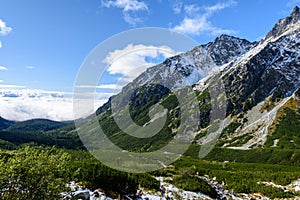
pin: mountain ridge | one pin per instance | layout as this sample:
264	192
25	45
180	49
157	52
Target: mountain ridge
4	123
284	23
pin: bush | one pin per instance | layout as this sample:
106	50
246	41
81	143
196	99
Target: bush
33	173
194	184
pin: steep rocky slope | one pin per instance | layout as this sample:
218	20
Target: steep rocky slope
261	81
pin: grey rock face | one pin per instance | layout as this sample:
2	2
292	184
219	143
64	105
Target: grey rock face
274	69
225	48
283	24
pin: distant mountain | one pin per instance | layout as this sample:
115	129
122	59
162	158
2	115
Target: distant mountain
31	125
39	132
36	125
5	123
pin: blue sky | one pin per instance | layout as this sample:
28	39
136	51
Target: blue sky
44	42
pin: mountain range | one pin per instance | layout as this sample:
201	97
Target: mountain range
261	82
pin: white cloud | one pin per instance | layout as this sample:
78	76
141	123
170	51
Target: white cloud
196	24
132	60
220	6
193	26
191	9
4	30
29	67
1	81
132	20
2	68
129	8
22	104
126	5
177	7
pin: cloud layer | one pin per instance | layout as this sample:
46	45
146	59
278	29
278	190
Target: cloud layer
22	104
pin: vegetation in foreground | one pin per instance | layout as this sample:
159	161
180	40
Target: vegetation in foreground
32	173
42	173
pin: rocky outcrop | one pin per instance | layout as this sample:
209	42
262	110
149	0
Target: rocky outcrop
226	48
284	24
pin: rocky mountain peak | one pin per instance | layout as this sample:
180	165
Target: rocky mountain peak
190	67
225	37
284	24
296	13
225	48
